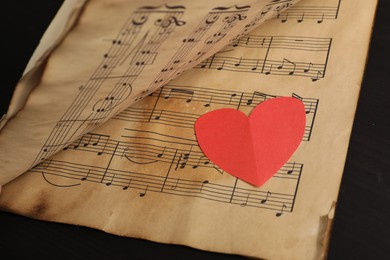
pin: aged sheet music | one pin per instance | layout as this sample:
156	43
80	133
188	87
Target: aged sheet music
141	173
143	47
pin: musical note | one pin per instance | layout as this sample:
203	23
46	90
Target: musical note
288	62
292	169
104	147
308	68
312	47
308	110
322	19
162	153
221	67
183	159
278	214
203	183
78	143
159	115
110	182
143	194
208	103
127	186
181	93
314	79
173	187
302	18
258	96
86	176
238	63
283	20
263	201
246	202
153	183
270	70
201	158
204	63
256	66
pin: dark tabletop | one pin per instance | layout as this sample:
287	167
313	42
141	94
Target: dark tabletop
362	223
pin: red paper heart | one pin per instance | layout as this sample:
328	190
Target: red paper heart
253	148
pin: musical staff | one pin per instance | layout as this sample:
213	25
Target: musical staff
269	9
301	12
283	42
224	19
269	60
135	46
144	183
149	161
149	148
208	98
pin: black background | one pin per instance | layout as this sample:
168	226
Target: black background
362	224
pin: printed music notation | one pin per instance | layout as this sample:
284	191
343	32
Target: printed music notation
145	148
181	60
207	98
327	10
158	161
146	183
268	59
134	46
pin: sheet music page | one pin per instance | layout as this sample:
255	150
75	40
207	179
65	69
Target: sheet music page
118	53
142	174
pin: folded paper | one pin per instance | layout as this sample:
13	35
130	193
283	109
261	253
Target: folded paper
253	148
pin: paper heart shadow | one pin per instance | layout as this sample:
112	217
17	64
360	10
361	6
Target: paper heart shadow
253	148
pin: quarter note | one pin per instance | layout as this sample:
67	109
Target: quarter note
263	201
221	67
203	183
255	67
127	186
159	115
175	186
246	202
204	63
283	20
292	169
86	176
162	153
270	70
302	18
208	103
322	19
314	79
278	214
309	109
308	68
143	194
238	63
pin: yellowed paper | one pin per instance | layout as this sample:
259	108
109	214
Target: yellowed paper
118	53
141	174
